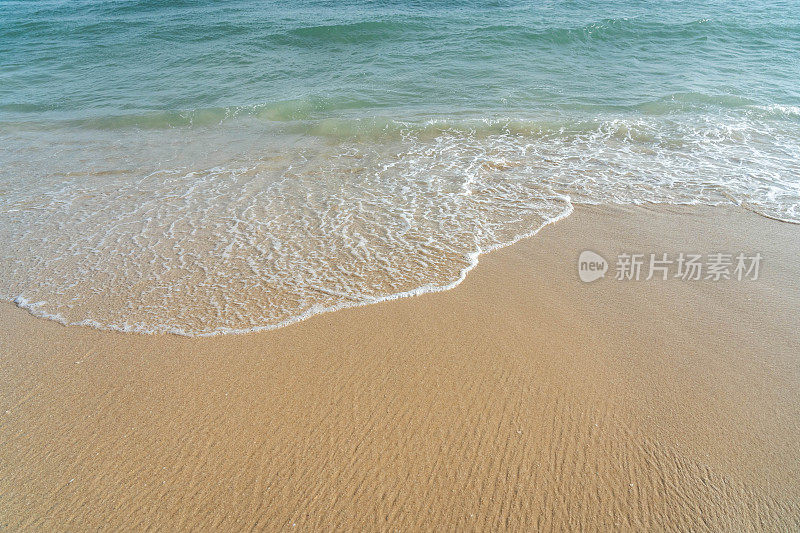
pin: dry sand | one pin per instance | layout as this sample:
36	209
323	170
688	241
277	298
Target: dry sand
521	399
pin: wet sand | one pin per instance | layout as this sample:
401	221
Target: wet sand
522	399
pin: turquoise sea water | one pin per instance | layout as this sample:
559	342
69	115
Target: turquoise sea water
205	167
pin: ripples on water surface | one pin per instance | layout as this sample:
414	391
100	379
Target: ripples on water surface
203	168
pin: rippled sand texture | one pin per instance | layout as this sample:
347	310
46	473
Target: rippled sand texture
521	399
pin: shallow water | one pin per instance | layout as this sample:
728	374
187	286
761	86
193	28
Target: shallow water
200	169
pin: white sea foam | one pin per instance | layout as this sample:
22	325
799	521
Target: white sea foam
156	234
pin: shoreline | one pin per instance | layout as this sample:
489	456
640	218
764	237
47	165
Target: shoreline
21	302
523	398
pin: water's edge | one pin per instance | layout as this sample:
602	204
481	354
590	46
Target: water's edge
34	307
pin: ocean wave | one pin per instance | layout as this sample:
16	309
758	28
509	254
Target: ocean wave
359	32
621	30
330	116
231	240
205	167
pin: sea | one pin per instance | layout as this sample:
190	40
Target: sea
202	168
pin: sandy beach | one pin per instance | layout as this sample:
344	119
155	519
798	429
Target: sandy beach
522	399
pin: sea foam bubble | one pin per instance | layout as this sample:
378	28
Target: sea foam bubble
158	234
